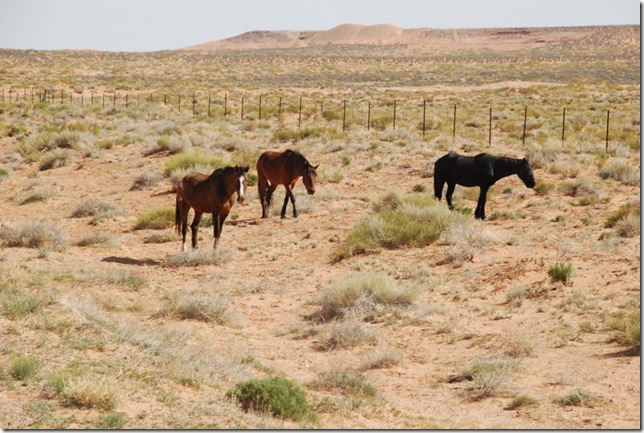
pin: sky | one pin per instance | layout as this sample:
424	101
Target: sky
153	25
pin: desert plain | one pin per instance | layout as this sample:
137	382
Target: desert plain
527	320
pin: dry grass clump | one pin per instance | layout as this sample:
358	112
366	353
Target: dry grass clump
146	180
492	376
89	393
43	235
205	257
344	335
626	327
155	219
97	238
15	303
400	220
206	308
97	209
34	192
361	295
344	381
577	397
620	169
626	220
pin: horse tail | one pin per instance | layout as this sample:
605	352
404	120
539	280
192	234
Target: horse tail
177	215
440	177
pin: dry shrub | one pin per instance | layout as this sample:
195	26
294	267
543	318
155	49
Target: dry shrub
87	392
43	235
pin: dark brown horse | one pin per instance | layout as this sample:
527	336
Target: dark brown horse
212	194
283	168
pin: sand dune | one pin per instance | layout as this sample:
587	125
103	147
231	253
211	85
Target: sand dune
388	34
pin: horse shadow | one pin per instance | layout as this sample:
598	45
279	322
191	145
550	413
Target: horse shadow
130	261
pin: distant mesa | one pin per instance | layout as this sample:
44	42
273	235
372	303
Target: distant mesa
425	38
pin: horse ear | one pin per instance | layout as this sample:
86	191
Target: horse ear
245	169
316	167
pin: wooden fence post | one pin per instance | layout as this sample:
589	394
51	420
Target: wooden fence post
454	125
525	123
344	115
563	125
260	108
489	140
369	115
179	103
299	115
242	108
225	104
194	104
279	111
394	123
607	126
424	112
209	105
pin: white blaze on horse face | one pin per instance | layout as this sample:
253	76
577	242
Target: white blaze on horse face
241	186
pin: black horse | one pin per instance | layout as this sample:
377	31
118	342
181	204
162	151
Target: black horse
482	170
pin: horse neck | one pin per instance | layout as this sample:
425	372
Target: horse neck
220	182
300	163
504	167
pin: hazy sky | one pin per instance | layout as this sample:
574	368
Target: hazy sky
150	25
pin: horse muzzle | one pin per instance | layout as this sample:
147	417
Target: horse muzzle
241	200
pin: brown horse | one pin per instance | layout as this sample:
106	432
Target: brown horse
283	168
212	194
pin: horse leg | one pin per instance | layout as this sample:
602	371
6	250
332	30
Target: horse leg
218	226
262	185
451	186
181	221
289	196
195	228
269	198
480	207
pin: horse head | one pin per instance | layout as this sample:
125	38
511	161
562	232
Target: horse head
242	183
309	177
525	174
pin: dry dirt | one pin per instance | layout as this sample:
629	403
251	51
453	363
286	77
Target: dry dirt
275	268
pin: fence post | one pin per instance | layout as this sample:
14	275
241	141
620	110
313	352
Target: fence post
424	112
179	103
126	100
489	140
62	97
279	111
299	115
454	125
607	126
194	104
242	108
209	105
525	123
260	107
344	115
394	125
225	104
114	100
369	116
563	125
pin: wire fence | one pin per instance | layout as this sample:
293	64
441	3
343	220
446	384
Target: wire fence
379	114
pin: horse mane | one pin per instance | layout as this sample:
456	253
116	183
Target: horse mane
295	155
220	174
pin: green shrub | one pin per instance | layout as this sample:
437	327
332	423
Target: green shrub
24	367
190	160
276	395
561	272
627	329
17	304
520	401
577	397
412	220
155	219
361	293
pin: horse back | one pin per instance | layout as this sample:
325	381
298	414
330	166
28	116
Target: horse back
276	167
202	193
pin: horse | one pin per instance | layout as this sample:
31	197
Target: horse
283	168
212	194
482	170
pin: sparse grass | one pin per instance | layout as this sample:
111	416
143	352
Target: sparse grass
146	180
35	193
344	335
521	401
190	160
278	396
207	308
361	294
561	272
344	381
41	235
620	170
96	238
577	397
55	159
626	327
89	393
96	208
155	219
492	376
24	367
412	220
198	257
17	303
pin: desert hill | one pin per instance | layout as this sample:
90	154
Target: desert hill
387	34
